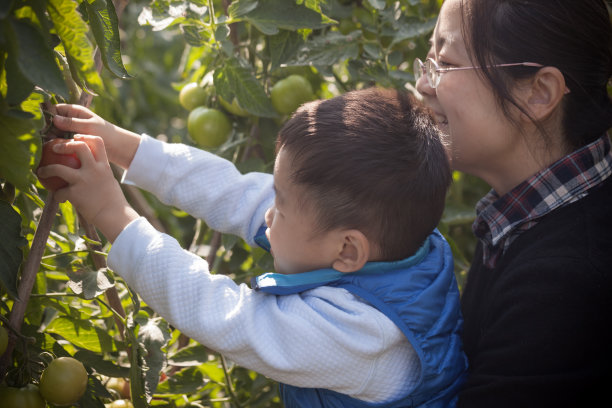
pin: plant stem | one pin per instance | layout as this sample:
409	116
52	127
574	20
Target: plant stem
28	277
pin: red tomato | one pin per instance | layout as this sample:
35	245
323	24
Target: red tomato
50	157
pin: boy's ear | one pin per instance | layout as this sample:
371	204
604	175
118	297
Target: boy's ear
354	253
545	92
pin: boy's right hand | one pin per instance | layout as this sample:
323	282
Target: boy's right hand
121	144
92	188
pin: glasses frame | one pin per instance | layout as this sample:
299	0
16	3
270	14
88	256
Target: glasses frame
432	71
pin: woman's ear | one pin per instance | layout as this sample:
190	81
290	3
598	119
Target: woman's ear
354	253
544	93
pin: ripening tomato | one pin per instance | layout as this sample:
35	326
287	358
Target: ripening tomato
64	381
50	157
26	397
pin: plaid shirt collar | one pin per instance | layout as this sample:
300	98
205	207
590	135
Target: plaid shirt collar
501	219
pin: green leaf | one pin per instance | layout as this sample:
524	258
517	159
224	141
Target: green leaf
186	381
69	215
82	333
102	366
73	31
271	15
11	243
105	27
377	4
283	46
89	283
240	8
35	59
190	356
137	366
18	86
153	336
15	156
328	49
412	28
235	80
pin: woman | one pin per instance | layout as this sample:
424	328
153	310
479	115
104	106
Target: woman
520	88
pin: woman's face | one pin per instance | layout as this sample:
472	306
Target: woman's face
483	142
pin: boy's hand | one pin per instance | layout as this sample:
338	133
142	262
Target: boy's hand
92	188
121	144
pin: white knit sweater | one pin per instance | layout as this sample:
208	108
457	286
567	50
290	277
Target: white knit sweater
324	338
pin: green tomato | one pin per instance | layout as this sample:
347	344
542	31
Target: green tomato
64	381
192	95
289	93
208	127
3	340
234	107
26	397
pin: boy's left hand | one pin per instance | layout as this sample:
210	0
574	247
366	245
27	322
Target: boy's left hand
92	188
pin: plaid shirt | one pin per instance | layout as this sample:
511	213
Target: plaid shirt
500	220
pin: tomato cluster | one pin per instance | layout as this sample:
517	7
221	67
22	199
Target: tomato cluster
210	127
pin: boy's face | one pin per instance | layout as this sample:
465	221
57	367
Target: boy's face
292	226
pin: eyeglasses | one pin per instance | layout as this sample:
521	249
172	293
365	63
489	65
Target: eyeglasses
433	72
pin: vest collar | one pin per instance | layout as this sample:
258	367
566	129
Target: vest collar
279	283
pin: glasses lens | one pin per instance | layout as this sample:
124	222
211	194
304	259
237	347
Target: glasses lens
417	68
432	72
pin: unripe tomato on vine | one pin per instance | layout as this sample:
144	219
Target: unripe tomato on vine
64	381
51	157
208	127
290	92
192	95
26	397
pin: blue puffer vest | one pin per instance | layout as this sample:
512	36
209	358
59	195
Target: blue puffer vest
420	295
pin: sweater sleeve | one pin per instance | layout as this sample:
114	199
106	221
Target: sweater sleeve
325	337
204	185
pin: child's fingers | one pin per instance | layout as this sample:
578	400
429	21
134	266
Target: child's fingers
95	144
78	148
66	173
72	124
73	111
88	149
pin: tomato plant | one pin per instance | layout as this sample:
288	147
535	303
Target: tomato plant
289	93
25	397
64	381
51	157
208	127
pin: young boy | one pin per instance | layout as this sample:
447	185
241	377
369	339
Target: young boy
363	308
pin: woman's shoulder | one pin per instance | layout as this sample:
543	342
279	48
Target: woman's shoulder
579	230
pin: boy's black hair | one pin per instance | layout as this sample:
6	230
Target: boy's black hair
371	160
